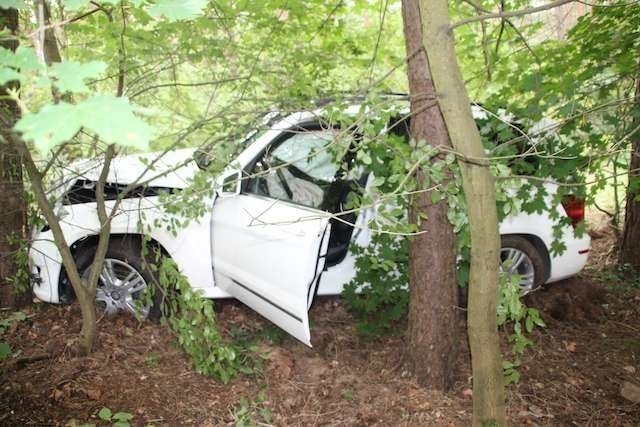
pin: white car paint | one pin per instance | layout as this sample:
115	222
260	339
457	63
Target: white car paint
265	252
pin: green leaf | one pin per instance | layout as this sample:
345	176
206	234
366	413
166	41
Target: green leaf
70	75
15	4
105	414
50	126
109	117
24	59
112	118
8	74
176	10
5	350
122	416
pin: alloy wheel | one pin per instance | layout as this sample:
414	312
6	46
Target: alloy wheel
120	287
515	261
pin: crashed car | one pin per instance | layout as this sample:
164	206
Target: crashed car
270	236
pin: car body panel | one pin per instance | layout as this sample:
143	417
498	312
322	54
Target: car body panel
269	255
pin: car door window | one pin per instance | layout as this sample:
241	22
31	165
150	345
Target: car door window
300	169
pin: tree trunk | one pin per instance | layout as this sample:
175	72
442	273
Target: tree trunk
85	293
479	190
630	245
439	69
13	215
433	316
89	327
50	51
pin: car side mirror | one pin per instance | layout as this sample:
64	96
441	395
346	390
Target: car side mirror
229	184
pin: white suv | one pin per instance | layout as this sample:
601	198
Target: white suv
268	239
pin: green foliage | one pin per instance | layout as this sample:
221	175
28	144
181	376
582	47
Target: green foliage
192	319
519	319
250	413
119	419
632	345
5	349
258	57
152	360
20	65
16	4
176	10
583	88
110	118
70	76
348	395
78	4
272	335
20	281
55	124
378	294
620	279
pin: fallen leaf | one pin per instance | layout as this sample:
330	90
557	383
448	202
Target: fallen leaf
467	392
630	369
57	394
630	391
93	394
570	347
536	411
574	381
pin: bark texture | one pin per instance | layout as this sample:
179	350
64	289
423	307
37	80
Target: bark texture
433	314
13	214
479	189
630	244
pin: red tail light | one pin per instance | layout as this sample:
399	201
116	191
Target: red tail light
574	208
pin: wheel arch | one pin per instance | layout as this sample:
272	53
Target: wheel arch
540	246
65	291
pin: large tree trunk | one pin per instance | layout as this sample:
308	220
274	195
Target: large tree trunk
630	245
433	317
479	189
13	214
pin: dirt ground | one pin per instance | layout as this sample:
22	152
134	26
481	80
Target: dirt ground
571	376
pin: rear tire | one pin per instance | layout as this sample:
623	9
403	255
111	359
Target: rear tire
523	259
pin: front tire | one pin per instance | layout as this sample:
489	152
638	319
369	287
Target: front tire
124	280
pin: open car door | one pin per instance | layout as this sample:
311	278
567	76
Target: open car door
269	254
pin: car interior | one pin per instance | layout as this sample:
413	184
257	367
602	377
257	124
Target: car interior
303	167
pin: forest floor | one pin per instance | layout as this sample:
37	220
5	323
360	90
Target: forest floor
571	376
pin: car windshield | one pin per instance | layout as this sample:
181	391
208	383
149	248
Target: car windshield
203	158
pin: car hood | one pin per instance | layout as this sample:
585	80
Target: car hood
172	169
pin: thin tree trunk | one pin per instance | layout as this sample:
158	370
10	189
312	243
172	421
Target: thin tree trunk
13	215
50	50
433	316
479	190
84	292
630	245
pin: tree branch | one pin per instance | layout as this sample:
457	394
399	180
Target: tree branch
511	14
